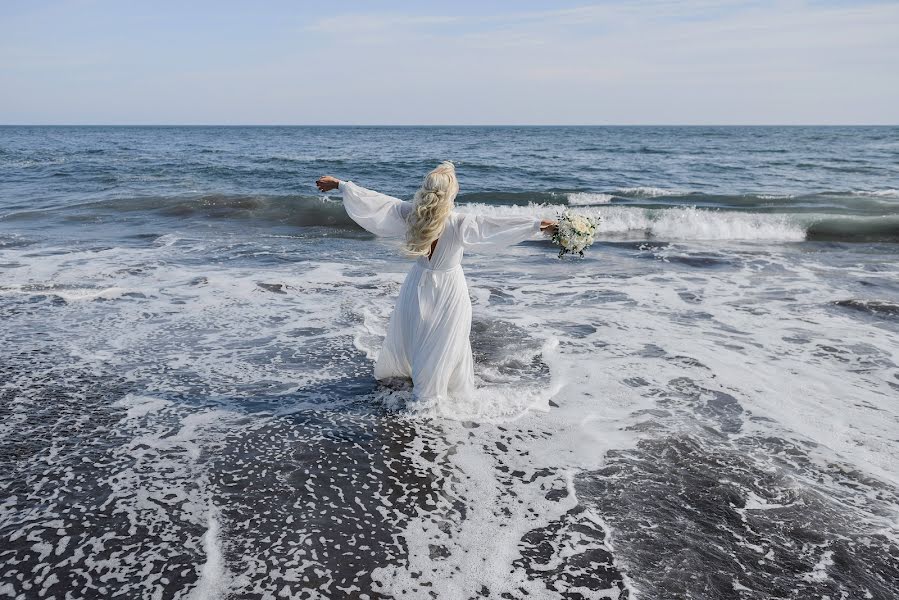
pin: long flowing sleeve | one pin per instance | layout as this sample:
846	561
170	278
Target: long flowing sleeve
378	213
479	231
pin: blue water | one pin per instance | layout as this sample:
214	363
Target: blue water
187	334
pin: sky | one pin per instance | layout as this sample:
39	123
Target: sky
501	62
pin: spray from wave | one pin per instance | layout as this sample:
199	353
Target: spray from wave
588	199
684	223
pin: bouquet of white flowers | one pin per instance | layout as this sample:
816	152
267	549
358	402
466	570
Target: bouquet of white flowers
575	233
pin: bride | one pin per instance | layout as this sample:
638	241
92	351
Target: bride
427	338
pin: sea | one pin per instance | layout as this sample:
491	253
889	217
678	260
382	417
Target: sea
705	406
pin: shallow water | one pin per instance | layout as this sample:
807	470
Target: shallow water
704	407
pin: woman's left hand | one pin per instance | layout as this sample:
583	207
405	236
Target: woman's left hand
327	183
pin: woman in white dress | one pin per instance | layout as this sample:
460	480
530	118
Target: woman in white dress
427	338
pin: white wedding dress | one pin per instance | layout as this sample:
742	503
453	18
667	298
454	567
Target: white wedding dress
427	338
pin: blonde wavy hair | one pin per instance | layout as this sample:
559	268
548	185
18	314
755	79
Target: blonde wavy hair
432	204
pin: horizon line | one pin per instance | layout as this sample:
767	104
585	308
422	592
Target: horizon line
449	125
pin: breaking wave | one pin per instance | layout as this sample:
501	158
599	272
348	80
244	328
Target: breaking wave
855	229
683	223
588	199
692	223
302	211
665	222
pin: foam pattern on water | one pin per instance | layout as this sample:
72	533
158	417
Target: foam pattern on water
186	428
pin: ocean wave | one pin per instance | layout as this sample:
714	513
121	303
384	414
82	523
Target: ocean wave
299	210
848	198
512	198
693	223
646	192
588	199
681	223
776	196
872	307
657	221
870	203
886	193
658	197
27	163
879	202
855	229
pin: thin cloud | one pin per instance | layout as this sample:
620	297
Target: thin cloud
617	61
370	23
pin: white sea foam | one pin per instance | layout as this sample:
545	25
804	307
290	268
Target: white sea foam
483	548
755	502
776	196
167	239
681	223
694	224
597	412
778	348
588	198
69	294
819	572
139	406
646	192
884	193
213	582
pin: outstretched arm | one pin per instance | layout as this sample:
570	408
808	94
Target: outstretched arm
378	213
488	230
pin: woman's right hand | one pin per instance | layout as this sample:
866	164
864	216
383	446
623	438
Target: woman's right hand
327	183
550	227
